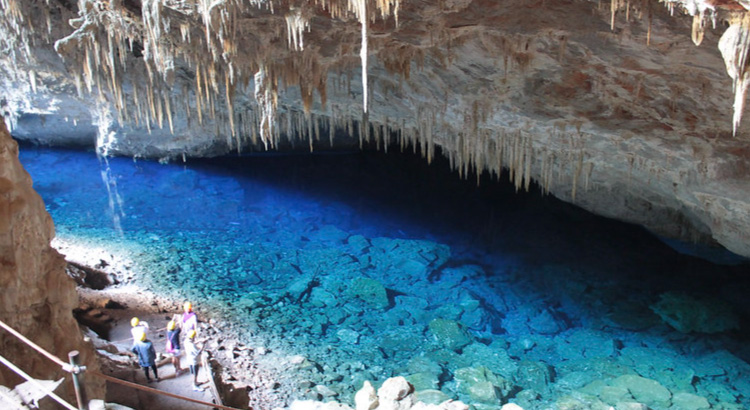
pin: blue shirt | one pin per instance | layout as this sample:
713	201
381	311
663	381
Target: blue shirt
145	352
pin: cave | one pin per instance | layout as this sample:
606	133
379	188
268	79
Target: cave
534	204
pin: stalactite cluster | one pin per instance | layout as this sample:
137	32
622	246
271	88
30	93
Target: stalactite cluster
236	64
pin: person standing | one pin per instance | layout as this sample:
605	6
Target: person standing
189	318
144	350
137	329
173	345
193	353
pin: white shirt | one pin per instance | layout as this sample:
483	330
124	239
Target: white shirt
137	331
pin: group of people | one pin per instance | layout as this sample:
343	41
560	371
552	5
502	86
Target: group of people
144	349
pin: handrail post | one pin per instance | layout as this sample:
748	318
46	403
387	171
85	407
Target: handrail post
78	383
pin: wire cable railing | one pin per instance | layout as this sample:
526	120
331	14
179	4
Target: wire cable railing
74	369
36	384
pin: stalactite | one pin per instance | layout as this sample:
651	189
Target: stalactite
265	95
359	7
229	89
296	23
734	45
698	29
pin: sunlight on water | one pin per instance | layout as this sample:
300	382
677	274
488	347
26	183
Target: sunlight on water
373	266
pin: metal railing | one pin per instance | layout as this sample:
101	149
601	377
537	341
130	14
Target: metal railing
75	370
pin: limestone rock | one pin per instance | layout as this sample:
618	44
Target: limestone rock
450	333
395	394
534	375
38	296
688	314
431	396
495	357
481	385
370	291
647	391
689	401
316	405
395	388
629	405
366	398
423	381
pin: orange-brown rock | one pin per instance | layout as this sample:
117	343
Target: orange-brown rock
37	296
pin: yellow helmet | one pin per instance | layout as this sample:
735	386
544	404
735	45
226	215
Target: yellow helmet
171	325
191	334
134	322
142	337
188	306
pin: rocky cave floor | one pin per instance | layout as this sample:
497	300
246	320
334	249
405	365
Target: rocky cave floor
105	316
601	367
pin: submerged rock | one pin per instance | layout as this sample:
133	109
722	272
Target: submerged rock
434	397
689	401
534	375
369	291
495	357
450	334
481	385
644	390
689	314
424	380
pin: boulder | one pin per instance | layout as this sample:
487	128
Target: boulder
495	357
317	405
300	288
689	314
424	381
366	398
689	401
430	396
534	375
395	394
544	323
348	336
481	385
369	291
647	391
450	334
395	388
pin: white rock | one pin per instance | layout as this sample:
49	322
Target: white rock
325	391
366	399
395	388
454	405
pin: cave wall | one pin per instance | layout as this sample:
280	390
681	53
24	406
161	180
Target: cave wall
38	297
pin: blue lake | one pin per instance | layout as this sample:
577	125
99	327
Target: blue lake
372	265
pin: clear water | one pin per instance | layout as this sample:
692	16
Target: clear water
364	263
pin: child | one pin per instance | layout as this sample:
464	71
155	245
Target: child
144	349
173	345
193	354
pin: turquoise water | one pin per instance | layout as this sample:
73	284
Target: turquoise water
372	266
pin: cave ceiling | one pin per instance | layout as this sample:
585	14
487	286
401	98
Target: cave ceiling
631	109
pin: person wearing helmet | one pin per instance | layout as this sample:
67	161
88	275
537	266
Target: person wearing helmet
173	345
193	354
138	327
144	350
189	319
